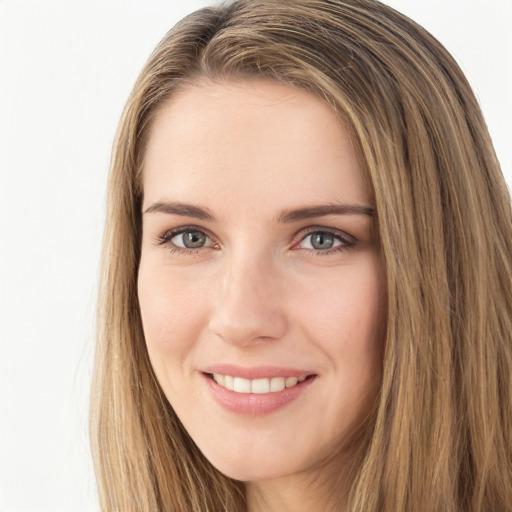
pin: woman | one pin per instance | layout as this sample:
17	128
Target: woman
306	291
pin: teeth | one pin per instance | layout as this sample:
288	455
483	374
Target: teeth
260	386
219	378
228	382
277	384
257	386
291	381
242	385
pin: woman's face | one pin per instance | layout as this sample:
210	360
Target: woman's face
260	285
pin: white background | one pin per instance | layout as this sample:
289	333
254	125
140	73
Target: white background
66	69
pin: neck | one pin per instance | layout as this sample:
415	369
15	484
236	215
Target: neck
285	495
324	486
300	493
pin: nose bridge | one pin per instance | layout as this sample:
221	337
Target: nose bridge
249	304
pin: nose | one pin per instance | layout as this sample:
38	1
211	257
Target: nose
250	303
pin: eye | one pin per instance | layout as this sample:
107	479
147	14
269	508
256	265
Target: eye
186	239
190	239
325	241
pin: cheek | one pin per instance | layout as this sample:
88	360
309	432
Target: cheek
172	316
363	327
348	310
346	318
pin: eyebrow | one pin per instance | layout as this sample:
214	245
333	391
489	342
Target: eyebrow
185	210
308	212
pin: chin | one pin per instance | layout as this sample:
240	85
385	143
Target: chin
260	463
255	472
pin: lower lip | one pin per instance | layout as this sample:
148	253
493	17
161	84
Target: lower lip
253	404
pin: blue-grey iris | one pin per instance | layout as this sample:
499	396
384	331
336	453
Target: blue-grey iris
193	239
322	240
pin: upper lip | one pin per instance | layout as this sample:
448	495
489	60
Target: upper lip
256	372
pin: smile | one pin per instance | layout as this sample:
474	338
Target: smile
256	386
256	391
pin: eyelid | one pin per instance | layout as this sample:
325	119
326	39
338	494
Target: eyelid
346	237
166	237
348	241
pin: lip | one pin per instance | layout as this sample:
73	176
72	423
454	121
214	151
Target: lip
257	372
250	404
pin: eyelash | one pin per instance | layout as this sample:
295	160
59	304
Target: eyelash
166	238
347	241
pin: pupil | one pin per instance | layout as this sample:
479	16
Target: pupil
193	239
322	240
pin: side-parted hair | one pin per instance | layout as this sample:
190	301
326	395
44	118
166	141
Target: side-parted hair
441	440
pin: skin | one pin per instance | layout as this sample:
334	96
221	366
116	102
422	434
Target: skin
258	292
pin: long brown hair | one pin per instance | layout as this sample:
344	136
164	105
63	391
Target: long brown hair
442	436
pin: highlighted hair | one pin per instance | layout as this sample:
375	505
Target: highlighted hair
441	439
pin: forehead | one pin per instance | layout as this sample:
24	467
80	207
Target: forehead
258	138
